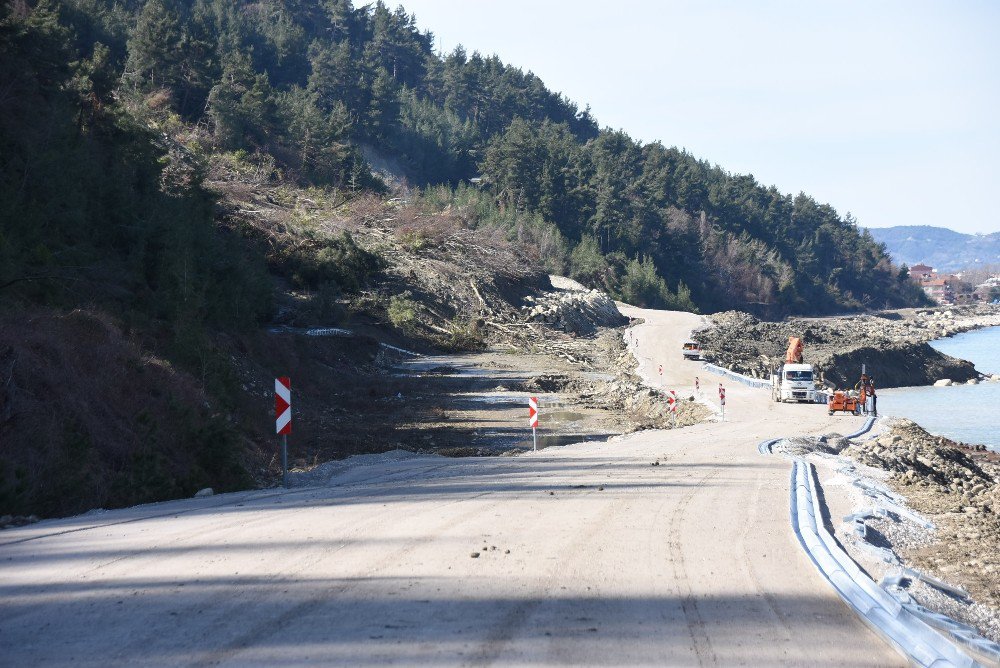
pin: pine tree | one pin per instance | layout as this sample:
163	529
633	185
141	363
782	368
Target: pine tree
155	47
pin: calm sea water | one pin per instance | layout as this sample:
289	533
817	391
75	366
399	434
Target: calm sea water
968	413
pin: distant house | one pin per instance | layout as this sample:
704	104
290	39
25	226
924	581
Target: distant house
921	272
938	289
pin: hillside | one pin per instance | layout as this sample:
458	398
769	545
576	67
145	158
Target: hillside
939	247
313	87
182	181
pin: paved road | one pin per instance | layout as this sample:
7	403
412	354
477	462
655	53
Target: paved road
587	554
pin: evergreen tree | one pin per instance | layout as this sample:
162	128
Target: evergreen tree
241	105
155	47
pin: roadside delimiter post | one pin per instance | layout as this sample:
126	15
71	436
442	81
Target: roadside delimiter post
283	420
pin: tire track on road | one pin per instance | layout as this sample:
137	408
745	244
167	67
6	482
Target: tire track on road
701	643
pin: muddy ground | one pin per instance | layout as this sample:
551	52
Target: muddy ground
382	398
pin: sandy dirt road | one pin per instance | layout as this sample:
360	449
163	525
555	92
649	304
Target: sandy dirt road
587	554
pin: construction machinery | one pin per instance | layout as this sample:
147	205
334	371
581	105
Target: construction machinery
794	381
846	402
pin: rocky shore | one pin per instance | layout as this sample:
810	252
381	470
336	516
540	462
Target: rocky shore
892	344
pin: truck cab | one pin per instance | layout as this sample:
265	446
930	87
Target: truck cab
794	382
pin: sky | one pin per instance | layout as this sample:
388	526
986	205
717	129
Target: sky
886	109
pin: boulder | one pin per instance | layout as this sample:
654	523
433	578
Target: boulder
944	382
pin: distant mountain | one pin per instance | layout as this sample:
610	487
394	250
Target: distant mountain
939	247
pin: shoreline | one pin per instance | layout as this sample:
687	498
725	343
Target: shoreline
964	427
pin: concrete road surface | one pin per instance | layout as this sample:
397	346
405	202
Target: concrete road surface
585	554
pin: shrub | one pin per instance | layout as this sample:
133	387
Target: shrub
338	261
402	312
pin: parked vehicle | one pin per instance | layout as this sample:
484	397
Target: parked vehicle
691	350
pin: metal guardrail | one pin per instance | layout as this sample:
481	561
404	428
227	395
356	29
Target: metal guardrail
756	383
921	644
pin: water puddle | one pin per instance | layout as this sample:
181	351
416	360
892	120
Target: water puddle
562	417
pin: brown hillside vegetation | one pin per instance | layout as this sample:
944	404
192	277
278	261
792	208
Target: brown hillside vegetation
88	419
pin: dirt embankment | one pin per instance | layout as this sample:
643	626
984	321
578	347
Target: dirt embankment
892	345
466	404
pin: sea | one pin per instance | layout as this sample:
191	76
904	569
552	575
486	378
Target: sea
967	413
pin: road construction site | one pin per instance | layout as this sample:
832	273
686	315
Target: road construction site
662	546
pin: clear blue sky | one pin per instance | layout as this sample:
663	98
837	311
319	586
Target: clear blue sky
889	109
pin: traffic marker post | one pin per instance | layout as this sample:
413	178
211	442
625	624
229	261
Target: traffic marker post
283	420
659	370
533	421
672	404
697	386
722	400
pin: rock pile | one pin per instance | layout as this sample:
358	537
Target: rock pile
917	458
957	488
645	407
893	345
575	311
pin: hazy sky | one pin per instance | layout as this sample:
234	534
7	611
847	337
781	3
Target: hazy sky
886	109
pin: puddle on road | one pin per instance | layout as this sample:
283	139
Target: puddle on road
562	417
546	440
513	400
553	432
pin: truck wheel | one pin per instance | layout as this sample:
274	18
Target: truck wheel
829	412
857	411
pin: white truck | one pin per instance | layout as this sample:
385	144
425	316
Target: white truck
794	382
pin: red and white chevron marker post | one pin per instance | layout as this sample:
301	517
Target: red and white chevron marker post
533	420
722	400
283	420
672	404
